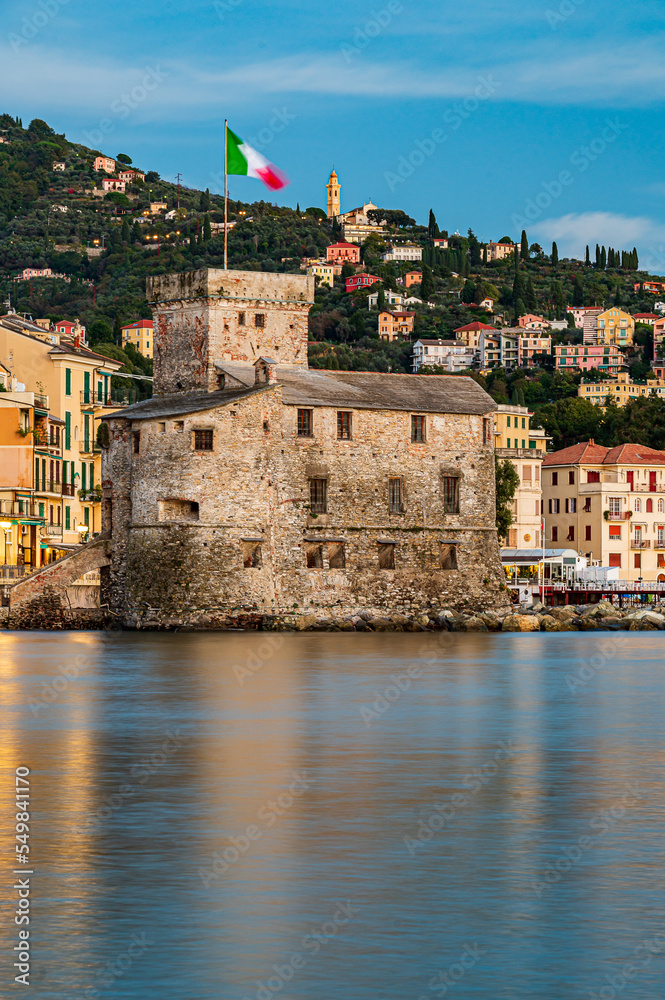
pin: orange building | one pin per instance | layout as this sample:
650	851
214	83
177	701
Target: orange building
342	253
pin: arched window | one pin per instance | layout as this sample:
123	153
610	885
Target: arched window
649	506
661	506
638	506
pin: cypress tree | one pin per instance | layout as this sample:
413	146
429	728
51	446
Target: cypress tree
117	330
136	233
432	228
555	255
427	284
207	231
126	235
603	258
587	259
531	300
636	259
381	300
192	241
597	255
524	246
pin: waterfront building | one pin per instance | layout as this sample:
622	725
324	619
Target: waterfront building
620	390
525	447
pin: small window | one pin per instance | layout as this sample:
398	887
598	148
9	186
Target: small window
136	442
179	425
587	533
202	440
448	556
161	428
336	555
395	496
526	473
343	426
638	506
571	478
555	479
251	555
417	428
638	560
241	319
259	320
386	555
487	431
177	510
318	496
305	423
571	533
615	559
649	506
314	556
451	494
555	534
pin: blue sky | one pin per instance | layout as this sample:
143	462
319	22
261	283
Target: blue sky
495	114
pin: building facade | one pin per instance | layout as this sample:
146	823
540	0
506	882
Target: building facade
105	163
525	449
585	357
342	253
251	484
396	325
406	251
362	280
139	335
609	504
452	355
620	390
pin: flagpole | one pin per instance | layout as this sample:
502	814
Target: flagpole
226	195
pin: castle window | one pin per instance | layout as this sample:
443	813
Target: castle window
448	556
305	422
318	496
336	555
259	320
343	426
161	428
395	496
241	319
314	556
487	431
451	494
251	555
202	440
179	425
136	442
177	510
417	428
386	555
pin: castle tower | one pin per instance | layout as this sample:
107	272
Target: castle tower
334	201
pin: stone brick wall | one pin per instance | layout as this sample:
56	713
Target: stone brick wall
253	489
208	316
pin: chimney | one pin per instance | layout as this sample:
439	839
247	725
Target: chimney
265	371
591	442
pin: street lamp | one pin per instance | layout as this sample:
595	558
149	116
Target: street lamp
7	528
83	531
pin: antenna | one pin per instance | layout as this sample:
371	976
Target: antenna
178	178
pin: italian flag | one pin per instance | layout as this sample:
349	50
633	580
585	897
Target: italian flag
242	159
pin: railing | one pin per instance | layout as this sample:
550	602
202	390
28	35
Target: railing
89	447
619	517
54	529
41	401
68	489
112	398
15	572
13	508
90	496
644	544
52	487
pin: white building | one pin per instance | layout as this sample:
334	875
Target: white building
453	355
391	299
406	251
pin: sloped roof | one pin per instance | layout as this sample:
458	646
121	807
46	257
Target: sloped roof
594	454
311	387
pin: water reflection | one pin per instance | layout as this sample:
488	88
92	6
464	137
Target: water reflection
335	815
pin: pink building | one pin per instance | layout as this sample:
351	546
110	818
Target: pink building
531	322
357	281
105	163
649	318
529	346
575	357
343	253
113	184
36	272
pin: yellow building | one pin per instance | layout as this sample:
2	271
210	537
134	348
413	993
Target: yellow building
525	448
609	505
614	326
334	196
324	272
72	388
139	335
620	389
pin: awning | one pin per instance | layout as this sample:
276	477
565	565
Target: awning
58	545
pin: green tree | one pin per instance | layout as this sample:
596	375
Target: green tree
126	234
469	291
578	291
507	481
474	250
204	201
123	158
348	270
117	331
136	233
587	258
531	301
207	231
381	298
427	283
524	246
432	228
555	255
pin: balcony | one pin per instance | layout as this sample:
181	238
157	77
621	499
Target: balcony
90	496
90	400
41	401
619	517
15	572
20	509
643	544
89	447
68	489
49	486
54	529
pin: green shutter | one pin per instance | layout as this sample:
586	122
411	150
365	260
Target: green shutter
86	515
86	431
68	518
84	476
92	475
68	430
37	474
64	472
68	381
86	387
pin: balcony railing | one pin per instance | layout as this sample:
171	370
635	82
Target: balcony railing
645	543
113	398
90	496
68	489
89	447
15	572
54	529
14	508
41	401
619	517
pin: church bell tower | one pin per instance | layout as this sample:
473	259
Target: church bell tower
334	191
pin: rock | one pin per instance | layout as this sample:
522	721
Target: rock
563	614
345	626
305	621
654	616
423	620
366	615
399	619
600	610
521	623
538	607
492	621
473	624
362	626
413	626
550	624
381	624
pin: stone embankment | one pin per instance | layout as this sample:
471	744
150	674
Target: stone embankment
583	618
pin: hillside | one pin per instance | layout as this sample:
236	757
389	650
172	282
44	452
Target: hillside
50	218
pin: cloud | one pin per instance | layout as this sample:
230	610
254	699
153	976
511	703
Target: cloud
574	231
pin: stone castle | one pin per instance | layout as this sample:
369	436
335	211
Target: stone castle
251	483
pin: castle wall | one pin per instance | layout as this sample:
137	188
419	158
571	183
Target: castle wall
253	490
205	317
